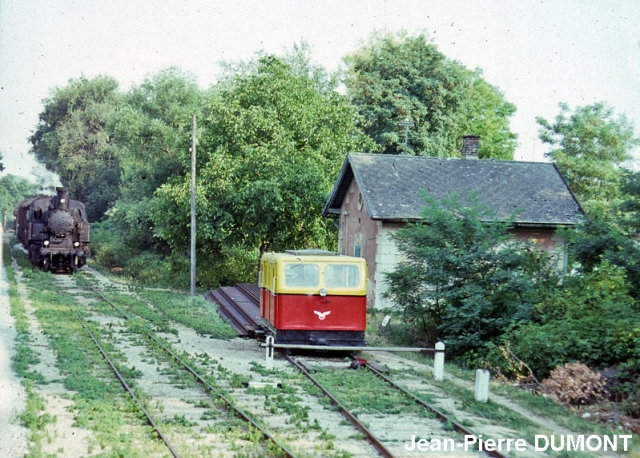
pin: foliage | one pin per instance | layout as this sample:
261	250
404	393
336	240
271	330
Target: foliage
107	247
270	147
72	139
465	279
629	221
588	147
629	383
595	241
397	77
13	190
150	130
575	384
591	319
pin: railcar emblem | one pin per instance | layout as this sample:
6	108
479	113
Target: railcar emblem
321	315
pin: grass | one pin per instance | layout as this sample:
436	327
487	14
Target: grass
192	311
363	392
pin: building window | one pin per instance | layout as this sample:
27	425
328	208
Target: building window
357	245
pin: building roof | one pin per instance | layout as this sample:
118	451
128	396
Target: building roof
391	187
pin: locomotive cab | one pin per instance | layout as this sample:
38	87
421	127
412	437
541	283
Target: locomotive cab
314	297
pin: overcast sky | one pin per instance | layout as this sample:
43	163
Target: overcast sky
539	53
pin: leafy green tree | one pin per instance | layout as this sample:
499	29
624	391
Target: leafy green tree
151	132
270	148
393	78
1	164
72	139
465	278
591	319
13	190
588	146
613	240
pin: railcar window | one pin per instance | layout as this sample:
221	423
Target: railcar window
302	274
342	276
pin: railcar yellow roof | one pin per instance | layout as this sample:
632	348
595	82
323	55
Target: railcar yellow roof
315	258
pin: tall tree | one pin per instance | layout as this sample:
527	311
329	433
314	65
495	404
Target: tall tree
72	139
271	146
589	146
397	78
465	279
151	132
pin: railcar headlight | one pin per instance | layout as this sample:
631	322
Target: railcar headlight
46	243
76	244
323	292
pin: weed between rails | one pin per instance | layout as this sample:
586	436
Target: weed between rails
363	392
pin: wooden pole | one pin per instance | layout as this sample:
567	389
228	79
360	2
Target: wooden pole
193	204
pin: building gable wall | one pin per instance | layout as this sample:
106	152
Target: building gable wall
358	232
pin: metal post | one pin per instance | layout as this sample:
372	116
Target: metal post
193	205
406	123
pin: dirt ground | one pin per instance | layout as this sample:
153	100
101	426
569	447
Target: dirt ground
13	438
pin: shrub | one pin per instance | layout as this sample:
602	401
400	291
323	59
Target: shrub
575	384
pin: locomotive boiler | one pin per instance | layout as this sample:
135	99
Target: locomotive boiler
54	230
314	297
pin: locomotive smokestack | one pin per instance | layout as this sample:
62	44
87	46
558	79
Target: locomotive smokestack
63	198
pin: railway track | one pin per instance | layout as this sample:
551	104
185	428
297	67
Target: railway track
385	444
276	447
240	306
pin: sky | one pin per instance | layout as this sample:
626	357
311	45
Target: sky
538	53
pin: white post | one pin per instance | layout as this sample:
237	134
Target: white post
482	385
438	362
269	348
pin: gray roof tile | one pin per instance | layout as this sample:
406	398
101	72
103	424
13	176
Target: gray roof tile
391	187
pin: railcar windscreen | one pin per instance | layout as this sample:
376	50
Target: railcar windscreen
342	276
302	274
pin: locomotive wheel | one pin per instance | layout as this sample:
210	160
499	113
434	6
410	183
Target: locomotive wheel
74	264
45	265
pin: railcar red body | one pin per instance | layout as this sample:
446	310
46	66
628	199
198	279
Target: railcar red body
313	297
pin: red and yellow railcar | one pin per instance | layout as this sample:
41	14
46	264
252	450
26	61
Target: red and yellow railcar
314	297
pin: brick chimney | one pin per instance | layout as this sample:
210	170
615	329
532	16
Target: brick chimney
470	146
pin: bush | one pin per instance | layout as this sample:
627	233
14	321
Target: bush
107	247
155	270
575	384
592	319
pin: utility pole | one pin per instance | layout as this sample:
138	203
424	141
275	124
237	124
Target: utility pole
193	204
406	123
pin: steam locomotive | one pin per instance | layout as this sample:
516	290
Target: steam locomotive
54	230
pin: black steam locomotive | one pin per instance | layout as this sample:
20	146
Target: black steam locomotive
54	230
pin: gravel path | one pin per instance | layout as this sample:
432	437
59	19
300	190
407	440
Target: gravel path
13	437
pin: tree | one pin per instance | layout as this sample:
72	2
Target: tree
151	132
612	240
395	78
465	279
270	147
1	164
13	190
588	147
72	139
